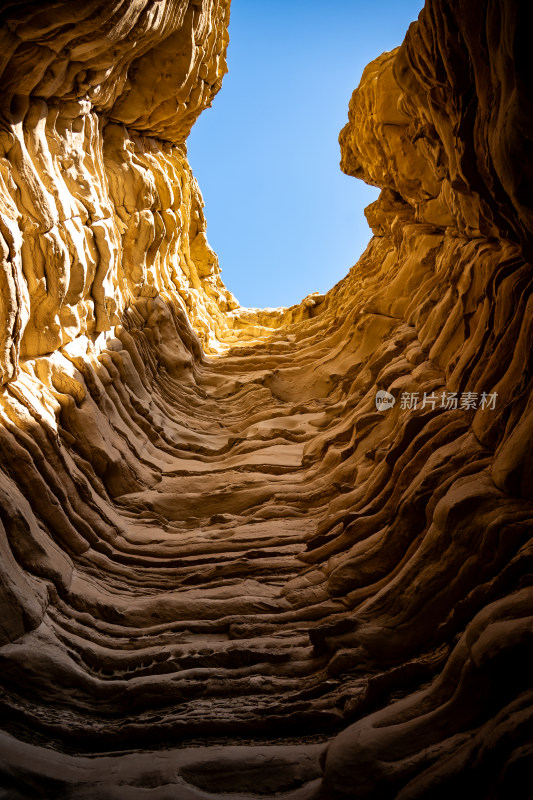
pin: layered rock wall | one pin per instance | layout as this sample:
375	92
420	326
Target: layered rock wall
225	572
96	213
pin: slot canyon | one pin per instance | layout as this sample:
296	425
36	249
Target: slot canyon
228	570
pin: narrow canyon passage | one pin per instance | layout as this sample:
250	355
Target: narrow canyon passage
227	569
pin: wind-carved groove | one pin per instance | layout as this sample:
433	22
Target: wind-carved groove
224	567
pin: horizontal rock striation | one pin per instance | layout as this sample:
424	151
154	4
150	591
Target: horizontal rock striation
224	571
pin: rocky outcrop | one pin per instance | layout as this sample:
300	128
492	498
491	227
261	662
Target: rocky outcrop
225	570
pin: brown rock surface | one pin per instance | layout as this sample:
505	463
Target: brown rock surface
224	572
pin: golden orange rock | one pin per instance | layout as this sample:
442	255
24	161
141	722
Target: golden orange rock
226	570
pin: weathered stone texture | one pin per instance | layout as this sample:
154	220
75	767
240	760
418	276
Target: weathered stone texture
224	572
94	215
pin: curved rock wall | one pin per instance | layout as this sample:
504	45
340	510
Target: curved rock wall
95	214
225	571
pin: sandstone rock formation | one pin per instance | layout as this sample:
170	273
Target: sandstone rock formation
224	571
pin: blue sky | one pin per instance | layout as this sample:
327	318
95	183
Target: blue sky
281	216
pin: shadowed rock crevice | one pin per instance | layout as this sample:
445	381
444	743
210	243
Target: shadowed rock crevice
225	571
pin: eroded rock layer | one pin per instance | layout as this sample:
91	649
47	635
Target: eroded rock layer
225	572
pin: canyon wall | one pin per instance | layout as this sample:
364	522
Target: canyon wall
225	572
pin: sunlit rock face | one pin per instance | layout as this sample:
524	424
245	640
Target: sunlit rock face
226	571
